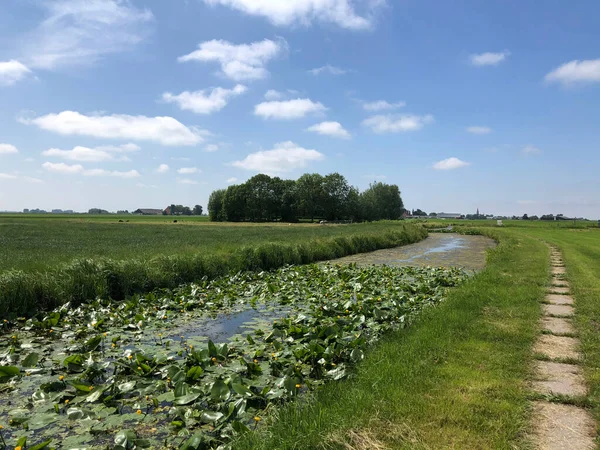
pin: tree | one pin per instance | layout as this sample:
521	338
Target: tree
197	211
336	192
418	212
381	201
525	217
432	214
310	195
234	203
215	205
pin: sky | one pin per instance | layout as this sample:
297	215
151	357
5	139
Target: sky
126	104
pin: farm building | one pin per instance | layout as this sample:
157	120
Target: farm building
449	216
148	212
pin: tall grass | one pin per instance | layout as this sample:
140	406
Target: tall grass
27	293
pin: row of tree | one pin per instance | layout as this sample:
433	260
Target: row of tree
180	210
313	196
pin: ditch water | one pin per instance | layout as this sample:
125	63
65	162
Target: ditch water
439	249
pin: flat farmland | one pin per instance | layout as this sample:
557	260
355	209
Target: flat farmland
34	242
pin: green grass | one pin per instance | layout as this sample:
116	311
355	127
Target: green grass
581	254
457	379
37	242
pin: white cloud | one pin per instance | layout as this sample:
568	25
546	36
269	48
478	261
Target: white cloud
6	149
188	170
333	129
202	102
450	164
111	173
80	154
285	157
479	130
232	180
238	62
576	72
80	32
211	148
531	150
124	148
186	181
395	124
163	168
272	94
288	12
63	168
290	109
7	176
332	70
33	180
488	58
380	105
79	169
165	130
12	71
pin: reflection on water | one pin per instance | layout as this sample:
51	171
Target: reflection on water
448	249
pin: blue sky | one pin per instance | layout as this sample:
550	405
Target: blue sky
122	104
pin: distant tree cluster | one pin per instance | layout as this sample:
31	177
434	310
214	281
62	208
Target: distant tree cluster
180	210
97	211
265	199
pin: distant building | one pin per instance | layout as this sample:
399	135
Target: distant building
148	212
449	215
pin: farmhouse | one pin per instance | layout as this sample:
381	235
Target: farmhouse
449	216
148	212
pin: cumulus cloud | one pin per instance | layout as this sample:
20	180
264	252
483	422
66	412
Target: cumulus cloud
12	71
488	58
211	148
285	157
67	169
7	176
450	164
63	168
232	180
204	102
188	170
238	62
479	130
332	70
163	168
576	72
80	32
272	94
290	109
531	150
396	124
333	129
164	130
381	105
283	13
6	149
83	154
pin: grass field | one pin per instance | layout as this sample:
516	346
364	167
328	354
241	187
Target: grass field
35	242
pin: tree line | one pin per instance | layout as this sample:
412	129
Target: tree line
312	196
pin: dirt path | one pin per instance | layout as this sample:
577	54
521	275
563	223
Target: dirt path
557	423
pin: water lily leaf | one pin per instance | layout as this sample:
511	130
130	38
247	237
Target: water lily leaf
196	442
7	372
194	373
40	446
212	349
94	396
357	355
82	387
186	399
239	427
31	360
337	373
125	439
126	387
241	390
74	363
18	415
41	420
92	344
220	391
211	416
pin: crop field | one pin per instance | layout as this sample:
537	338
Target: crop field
259	354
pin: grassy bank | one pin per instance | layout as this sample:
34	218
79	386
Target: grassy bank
457	379
27	292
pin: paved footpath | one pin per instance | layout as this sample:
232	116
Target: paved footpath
558	375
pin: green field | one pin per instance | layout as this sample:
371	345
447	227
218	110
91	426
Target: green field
458	377
33	242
